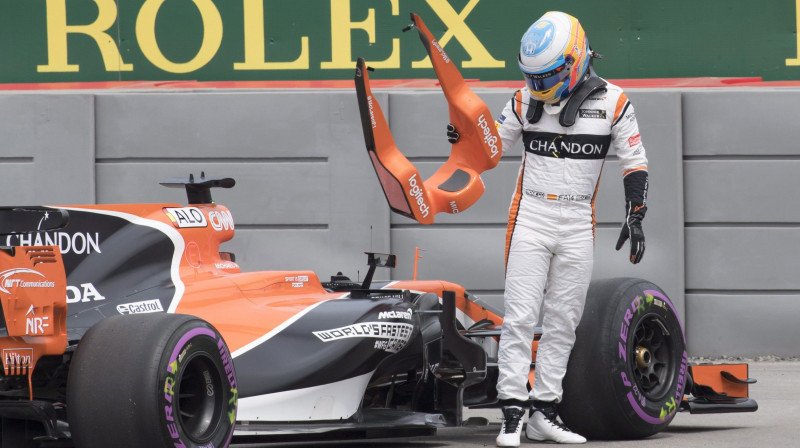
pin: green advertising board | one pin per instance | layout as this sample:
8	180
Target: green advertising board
228	40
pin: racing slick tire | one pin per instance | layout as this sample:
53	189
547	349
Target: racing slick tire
151	380
627	372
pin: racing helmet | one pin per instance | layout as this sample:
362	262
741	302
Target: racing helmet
554	56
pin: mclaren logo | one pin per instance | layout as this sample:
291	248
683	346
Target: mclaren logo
371	112
395	314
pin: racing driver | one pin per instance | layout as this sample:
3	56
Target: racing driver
568	119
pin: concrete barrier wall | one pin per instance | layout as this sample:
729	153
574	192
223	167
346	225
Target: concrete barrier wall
722	226
741	156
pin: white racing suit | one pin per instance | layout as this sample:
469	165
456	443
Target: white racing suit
550	237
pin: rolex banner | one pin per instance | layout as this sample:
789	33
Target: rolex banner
44	41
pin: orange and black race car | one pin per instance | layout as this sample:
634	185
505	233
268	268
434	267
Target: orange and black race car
126	326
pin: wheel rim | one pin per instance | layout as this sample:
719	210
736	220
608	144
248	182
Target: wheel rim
200	396
653	361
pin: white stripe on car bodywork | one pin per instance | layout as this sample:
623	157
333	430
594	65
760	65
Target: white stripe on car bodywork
241	351
333	401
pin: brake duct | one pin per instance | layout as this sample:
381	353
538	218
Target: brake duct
457	184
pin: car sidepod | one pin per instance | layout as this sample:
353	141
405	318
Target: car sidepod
318	367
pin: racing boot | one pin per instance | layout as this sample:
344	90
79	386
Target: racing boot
511	426
543	425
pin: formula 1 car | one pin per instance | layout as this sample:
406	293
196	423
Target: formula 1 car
125	326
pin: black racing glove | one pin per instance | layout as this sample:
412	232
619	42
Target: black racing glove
452	134
636	184
632	228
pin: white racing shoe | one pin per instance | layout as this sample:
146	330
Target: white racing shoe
543	426
511	426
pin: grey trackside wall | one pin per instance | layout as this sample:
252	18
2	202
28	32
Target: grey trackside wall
722	226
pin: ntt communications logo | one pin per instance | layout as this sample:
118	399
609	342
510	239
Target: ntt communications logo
7	280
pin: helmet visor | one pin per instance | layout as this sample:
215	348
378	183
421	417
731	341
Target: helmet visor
539	82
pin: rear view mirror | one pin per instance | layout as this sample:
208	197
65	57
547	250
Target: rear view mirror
381	260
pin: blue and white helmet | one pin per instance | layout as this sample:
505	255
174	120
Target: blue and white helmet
554	56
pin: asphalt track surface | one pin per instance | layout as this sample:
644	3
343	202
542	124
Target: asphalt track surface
775	424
